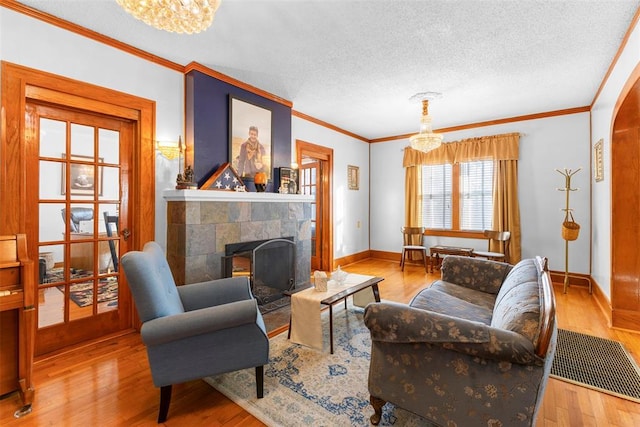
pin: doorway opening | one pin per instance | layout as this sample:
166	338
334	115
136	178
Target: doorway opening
316	175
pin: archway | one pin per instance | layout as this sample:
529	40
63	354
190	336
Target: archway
625	208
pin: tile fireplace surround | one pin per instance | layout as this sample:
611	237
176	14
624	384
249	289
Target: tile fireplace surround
201	222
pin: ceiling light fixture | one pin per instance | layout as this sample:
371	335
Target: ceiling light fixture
176	16
425	140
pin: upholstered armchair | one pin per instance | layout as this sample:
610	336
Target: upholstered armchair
197	330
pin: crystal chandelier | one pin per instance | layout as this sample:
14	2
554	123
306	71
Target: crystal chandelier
425	140
176	16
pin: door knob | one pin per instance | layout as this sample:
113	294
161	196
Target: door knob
126	233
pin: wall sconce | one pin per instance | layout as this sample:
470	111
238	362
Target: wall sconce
170	149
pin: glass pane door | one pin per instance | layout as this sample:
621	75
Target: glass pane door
79	183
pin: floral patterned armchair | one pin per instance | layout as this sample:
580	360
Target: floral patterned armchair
473	349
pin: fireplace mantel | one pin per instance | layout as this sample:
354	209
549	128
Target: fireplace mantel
232	196
201	222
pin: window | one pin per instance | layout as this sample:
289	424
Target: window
458	197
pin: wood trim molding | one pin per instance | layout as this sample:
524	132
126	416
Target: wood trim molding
623	44
327	125
602	301
93	35
325	155
390	256
575	279
194	66
350	259
534	116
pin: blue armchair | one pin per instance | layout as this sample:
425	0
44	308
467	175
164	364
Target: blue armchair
197	330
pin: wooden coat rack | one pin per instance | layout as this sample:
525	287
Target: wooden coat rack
567	173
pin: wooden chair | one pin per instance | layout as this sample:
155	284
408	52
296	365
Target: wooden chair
411	237
108	220
502	238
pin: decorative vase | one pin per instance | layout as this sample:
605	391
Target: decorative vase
260	181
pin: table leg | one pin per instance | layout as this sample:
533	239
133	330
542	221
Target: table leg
376	292
331	327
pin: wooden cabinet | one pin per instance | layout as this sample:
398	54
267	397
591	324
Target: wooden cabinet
17	317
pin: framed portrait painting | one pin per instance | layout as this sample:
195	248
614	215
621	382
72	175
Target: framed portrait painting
83	178
250	130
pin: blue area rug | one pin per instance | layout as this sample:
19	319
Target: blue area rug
306	387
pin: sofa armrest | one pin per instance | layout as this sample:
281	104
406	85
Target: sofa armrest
475	273
391	323
214	292
198	322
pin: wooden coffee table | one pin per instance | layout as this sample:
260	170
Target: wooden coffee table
437	251
336	295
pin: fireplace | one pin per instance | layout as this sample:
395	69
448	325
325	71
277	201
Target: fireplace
270	265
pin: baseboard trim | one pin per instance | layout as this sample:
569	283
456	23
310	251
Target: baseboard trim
350	259
390	256
575	279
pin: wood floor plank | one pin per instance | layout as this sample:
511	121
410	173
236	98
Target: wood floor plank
108	383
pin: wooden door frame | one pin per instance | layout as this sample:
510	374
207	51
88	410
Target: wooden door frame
325	155
623	122
20	83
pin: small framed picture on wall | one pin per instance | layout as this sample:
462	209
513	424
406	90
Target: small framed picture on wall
598	161
353	176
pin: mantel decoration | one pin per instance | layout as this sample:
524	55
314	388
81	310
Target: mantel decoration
225	179
184	180
570	228
425	140
175	16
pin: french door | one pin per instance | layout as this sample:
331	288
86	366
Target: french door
316	172
76	162
310	174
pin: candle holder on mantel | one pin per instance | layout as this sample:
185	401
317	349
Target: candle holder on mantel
185	182
570	228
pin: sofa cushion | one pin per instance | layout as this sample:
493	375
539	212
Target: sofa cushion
455	300
517	306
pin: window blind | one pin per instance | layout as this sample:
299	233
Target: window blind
436	196
476	195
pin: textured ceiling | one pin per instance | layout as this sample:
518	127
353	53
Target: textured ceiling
355	64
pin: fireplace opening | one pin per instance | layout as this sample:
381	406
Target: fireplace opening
269	264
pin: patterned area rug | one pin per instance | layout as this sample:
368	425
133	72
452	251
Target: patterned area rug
305	387
597	363
82	293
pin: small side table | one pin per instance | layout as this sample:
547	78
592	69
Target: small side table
437	251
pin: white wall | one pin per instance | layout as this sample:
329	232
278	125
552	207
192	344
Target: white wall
350	207
545	145
601	128
35	44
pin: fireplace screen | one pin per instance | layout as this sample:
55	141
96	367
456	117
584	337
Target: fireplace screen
270	265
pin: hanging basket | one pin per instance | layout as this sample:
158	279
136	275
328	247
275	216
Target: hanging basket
570	228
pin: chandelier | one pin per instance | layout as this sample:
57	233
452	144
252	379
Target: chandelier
425	140
176	16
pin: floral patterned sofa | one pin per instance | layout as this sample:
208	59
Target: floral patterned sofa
473	349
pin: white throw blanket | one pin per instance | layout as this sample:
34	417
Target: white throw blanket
306	324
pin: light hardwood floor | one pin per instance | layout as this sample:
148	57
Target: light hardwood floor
108	383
